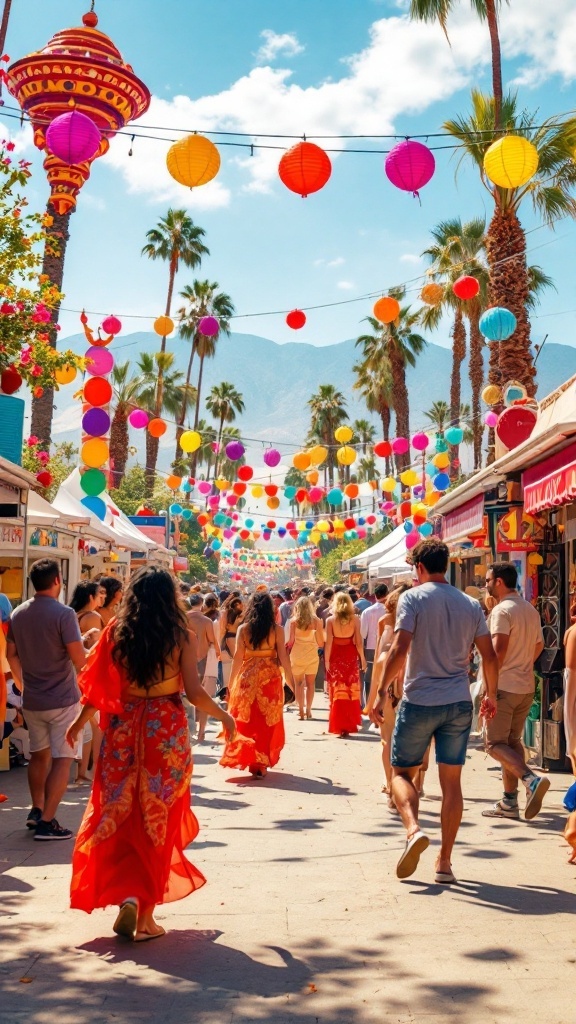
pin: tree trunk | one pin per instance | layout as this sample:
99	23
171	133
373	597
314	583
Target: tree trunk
219	452
197	412
509	287
386	417
182	413
476	370
172	275
401	404
53	267
4	25
492	18
119	445
458	356
152	446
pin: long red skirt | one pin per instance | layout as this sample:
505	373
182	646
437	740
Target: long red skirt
344	686
138	821
256	702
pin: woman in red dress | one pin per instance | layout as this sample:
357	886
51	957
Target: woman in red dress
343	658
138	822
256	698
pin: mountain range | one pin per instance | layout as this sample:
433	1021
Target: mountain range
276	382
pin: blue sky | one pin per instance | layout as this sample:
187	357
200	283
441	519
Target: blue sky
300	66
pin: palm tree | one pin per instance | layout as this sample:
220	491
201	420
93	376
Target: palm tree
175	240
328	410
223	402
375	386
127	389
551	194
364	434
201	298
174	391
400	344
487	10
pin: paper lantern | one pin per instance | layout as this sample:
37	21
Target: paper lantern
409	477
271	490
514	392
257	491
515	425
511	161
245	473
190	441
497	324
441	482
386	309
305	168
426	529
175	510
491	394
96	422
157	427
99	361
400	446
221	484
351	491
296	319
318	454
97	391
10	380
312	477
208	326
335	496
272	457
138	419
93	482
193	161
420	442
73	138
491	419
389	484
412	539
432	294
441	461
94	453
111	325
301	495
315	494
173	483
95	505
466	287
234	450
301	460
409	166
239	488
343	434
273	502
163	326
454	435
383	449
323	525
65	374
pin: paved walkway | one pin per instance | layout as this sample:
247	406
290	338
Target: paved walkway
303	920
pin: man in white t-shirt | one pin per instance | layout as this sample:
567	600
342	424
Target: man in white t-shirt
369	620
517	637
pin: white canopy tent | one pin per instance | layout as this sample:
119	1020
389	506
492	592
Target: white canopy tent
379	550
115	529
393	562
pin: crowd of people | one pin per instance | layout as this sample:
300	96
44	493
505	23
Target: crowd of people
124	676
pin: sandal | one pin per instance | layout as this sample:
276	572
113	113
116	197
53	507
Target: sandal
125	923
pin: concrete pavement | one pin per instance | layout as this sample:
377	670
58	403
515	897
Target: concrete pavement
303	920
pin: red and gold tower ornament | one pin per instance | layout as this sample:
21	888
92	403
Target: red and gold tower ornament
80	70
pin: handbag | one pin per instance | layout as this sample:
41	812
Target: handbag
289	696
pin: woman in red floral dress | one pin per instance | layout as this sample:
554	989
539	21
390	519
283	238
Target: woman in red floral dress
343	658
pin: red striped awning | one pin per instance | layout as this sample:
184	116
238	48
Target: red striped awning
551	483
463	521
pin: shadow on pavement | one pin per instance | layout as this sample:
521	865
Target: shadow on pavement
537	901
320	786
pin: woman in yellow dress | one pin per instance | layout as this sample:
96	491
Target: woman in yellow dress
305	641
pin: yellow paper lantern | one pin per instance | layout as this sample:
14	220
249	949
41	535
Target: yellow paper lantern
511	161
315	536
491	394
323	525
409	477
389	484
386	310
346	455
432	497
222	485
338	526
301	460
190	441
164	326
432	294
193	161
442	460
257	491
300	525
65	374
343	434
95	452
318	454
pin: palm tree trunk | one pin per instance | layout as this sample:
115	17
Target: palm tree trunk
197	412
4	25
386	417
53	267
152	446
219	452
401	403
458	356
476	370
119	445
509	287
492	18
182	413
171	277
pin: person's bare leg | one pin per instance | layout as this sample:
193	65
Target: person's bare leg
38	769
56	786
85	761
451	813
299	687
405	796
309	682
146	925
97	737
513	764
386	730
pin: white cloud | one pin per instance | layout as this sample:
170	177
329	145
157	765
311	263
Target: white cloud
336	262
346	286
284	44
410	257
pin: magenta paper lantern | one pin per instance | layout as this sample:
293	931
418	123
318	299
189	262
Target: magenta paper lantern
409	166
73	138
100	362
96	422
231	499
420	442
204	487
138	419
214	501
315	494
272	457
400	446
234	451
111	325
491	419
209	326
412	539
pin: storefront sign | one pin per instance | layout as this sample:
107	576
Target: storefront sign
153	527
180	564
459	524
11	537
518	531
552	482
41	538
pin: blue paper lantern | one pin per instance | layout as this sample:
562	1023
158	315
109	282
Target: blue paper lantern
408	527
335	496
289	493
426	529
216	544
361	521
441	482
175	510
303	537
281	531
187	513
454	435
249	523
431	469
309	525
95	505
498	323
186	487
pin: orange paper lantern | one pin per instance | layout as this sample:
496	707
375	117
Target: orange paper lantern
173	482
305	168
301	460
157	427
386	310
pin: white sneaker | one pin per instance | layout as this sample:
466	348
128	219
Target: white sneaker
408	862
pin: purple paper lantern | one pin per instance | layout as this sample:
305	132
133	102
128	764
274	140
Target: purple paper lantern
272	457
100	362
409	166
208	326
95	422
73	138
234	451
138	419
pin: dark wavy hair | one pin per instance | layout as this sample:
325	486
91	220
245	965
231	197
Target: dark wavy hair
151	624
111	584
259	619
83	591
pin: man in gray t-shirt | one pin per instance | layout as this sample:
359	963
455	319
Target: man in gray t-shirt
435	628
44	651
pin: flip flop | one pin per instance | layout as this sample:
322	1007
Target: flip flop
125	923
445	878
146	936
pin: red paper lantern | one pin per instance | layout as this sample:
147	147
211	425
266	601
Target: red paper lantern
515	425
301	495
97	391
239	489
271	490
466	287
10	380
296	319
305	168
350	523
245	473
45	478
383	449
111	325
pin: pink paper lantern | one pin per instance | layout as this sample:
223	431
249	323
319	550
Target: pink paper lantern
73	138
101	361
400	446
204	487
208	326
214	501
412	539
228	534
361	532
410	166
231	499
491	419
387	507
272	457
420	442
138	419
315	494
111	325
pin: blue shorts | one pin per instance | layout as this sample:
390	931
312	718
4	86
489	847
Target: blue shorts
417	724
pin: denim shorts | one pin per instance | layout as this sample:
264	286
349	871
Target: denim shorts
417	724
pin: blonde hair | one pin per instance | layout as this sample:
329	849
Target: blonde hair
303	613
342	607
